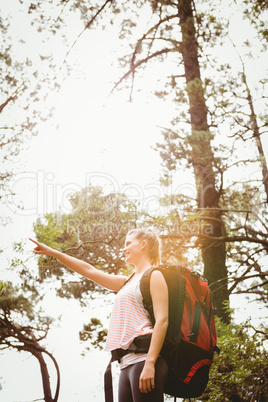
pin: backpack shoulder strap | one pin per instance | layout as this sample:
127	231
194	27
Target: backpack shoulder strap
128	279
146	294
177	285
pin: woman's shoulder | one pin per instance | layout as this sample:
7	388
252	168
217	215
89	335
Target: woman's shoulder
158	281
157	275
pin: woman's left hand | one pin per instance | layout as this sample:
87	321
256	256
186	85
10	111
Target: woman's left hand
147	378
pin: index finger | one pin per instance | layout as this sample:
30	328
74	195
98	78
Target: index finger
34	241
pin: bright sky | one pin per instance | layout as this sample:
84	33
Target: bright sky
99	141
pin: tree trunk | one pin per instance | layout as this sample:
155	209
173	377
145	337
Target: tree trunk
256	135
45	376
213	251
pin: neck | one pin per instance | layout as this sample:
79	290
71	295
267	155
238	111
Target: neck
142	266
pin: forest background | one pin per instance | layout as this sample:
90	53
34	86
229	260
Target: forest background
115	115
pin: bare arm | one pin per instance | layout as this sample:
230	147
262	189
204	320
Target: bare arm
112	282
159	293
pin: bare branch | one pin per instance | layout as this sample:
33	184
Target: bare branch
233	239
86	27
12	97
138	64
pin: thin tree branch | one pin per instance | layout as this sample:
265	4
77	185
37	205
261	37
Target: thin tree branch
138	64
86	27
12	97
233	239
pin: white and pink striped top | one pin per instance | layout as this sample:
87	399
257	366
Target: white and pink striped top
129	318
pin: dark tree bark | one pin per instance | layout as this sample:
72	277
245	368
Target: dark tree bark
45	376
213	251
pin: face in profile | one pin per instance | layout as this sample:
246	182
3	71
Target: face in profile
134	249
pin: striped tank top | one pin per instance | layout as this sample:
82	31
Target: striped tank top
129	318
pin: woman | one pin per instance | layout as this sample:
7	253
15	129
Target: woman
142	375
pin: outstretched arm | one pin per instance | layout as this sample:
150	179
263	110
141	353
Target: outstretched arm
112	282
159	293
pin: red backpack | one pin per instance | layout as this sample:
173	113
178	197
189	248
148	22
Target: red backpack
191	337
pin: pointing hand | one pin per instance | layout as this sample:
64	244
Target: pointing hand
41	248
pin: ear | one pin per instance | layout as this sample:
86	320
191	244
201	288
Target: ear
143	244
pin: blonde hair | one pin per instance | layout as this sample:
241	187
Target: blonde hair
153	241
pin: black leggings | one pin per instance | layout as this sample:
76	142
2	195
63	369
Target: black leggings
129	383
